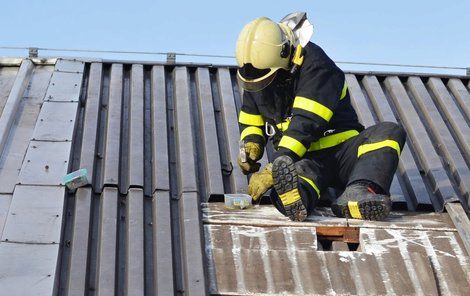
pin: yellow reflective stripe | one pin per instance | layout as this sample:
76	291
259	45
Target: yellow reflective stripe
290	197
251	130
250	119
344	91
313	107
283	126
293	145
332	140
354	209
311	184
374	146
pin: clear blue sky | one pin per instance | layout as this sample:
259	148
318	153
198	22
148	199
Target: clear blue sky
409	32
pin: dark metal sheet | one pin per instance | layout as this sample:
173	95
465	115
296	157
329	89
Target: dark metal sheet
35	215
447	106
365	117
135	242
161	178
56	121
77	274
231	128
195	283
443	138
408	167
45	163
90	120
184	131
162	244
461	94
112	129
208	132
107	240
421	142
136	128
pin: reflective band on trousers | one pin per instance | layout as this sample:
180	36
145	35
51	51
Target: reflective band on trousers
344	91
374	146
313	107
293	145
313	185
250	119
332	140
251	130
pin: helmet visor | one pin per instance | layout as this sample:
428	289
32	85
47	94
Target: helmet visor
254	79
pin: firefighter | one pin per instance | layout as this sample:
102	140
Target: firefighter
295	96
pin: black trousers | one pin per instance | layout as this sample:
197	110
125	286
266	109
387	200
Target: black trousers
370	156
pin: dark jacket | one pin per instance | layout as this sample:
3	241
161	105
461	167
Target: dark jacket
315	100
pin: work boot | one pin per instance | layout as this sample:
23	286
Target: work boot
360	201
286	184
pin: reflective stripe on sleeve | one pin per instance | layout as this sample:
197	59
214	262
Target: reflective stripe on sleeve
313	107
311	183
332	140
293	145
250	119
374	146
344	91
251	130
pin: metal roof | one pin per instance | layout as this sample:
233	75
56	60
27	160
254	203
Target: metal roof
159	140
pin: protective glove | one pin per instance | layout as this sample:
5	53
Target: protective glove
254	152
261	182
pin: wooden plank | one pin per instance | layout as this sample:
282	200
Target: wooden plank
161	175
210	149
136	127
162	244
135	242
230	116
421	142
107	240
461	222
112	130
90	121
76	281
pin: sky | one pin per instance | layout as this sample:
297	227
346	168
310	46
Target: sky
406	32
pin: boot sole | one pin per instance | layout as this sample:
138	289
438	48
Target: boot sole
368	209
285	182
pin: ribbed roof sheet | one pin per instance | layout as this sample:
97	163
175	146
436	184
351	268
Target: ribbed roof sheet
158	141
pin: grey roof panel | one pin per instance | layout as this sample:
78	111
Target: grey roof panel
56	121
35	215
27	269
64	87
5	201
45	163
66	65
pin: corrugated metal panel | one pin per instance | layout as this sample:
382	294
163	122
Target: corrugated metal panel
159	140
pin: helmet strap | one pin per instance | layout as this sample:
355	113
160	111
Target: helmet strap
298	59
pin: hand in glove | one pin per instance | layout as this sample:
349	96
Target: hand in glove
254	152
260	182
